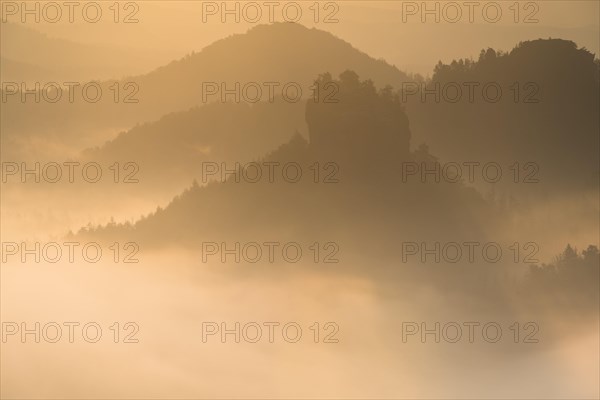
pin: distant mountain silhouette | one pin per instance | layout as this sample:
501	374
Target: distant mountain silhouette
170	151
18	71
554	122
369	204
280	52
559	132
63	60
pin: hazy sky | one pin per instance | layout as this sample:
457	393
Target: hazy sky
175	28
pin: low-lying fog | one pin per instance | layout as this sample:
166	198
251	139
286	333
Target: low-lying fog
169	295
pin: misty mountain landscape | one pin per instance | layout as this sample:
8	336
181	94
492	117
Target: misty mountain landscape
274	210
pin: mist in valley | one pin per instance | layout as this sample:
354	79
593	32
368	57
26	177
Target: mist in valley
317	209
